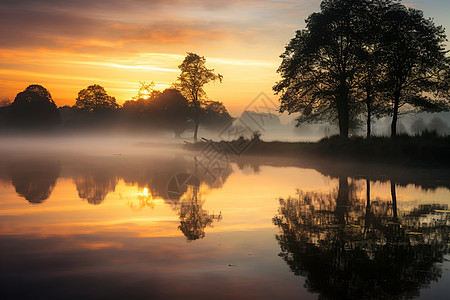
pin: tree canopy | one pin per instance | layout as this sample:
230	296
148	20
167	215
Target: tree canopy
94	99
414	55
33	108
355	52
146	91
170	109
214	115
194	75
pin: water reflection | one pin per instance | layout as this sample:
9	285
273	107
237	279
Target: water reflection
176	180
144	199
94	184
345	235
193	218
33	179
186	198
349	249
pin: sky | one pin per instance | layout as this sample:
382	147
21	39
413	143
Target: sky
68	45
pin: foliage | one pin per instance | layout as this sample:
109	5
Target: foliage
414	54
214	115
319	65
146	91
4	108
94	99
357	55
5	102
33	108
41	91
170	110
194	75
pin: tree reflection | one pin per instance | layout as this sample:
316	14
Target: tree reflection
34	179
346	250
94	185
193	218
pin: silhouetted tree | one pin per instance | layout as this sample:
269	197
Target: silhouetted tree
370	70
414	54
136	114
94	99
214	115
319	65
146	91
4	107
170	110
5	102
363	51
33	108
194	75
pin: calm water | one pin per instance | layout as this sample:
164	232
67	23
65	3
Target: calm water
144	225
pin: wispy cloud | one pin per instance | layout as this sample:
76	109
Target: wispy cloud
120	42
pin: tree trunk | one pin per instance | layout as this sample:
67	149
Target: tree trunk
395	114
342	200
197	112
368	206
369	115
394	200
343	118
343	111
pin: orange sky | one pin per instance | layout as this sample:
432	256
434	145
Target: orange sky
67	45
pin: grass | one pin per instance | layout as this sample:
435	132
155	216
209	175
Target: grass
426	149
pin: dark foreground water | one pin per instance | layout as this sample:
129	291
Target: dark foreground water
161	224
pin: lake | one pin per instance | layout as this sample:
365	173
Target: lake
159	222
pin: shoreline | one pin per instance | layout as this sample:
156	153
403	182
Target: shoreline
429	151
328	158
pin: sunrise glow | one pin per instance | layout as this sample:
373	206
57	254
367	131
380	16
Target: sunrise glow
118	45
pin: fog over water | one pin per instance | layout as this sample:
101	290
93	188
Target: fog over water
142	217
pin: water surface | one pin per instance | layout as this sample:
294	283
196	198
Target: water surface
154	224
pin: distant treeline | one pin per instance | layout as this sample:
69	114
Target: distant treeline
35	110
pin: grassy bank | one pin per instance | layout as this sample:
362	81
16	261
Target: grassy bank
428	149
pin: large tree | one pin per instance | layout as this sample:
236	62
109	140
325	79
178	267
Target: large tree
137	112
370	73
94	99
4	108
146	91
33	108
319	65
194	75
170	110
415	60
356	54
215	115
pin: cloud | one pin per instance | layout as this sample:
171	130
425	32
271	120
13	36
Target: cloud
82	24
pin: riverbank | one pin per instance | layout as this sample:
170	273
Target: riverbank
426	150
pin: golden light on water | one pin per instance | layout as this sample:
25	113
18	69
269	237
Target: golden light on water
144	193
144	199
